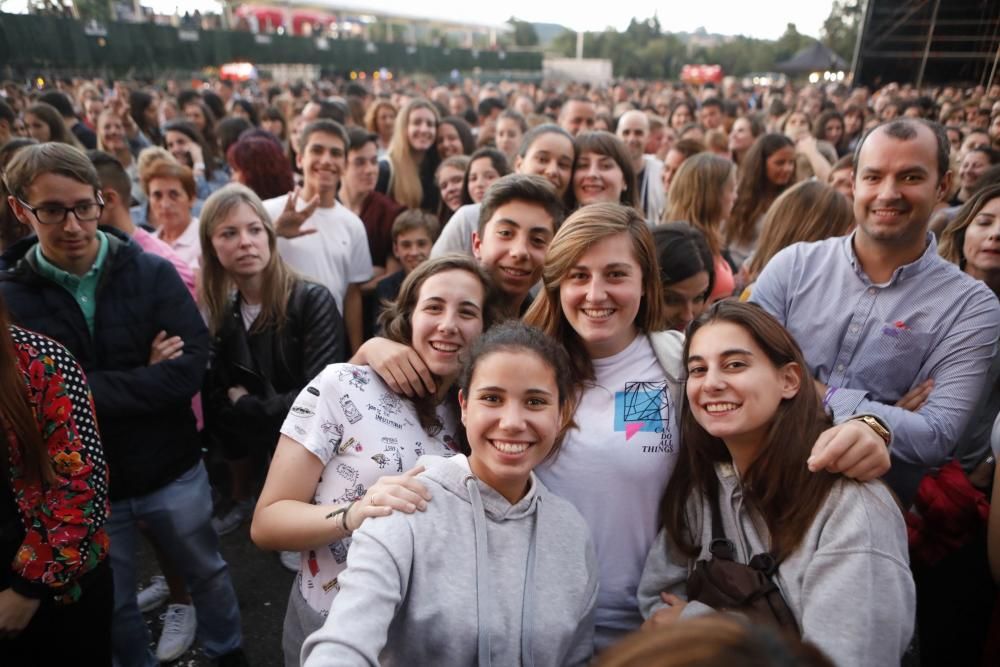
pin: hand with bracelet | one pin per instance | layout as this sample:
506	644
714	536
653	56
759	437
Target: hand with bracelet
403	492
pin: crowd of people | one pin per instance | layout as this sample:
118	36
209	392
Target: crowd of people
506	373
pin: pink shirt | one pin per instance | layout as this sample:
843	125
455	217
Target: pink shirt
151	244
725	283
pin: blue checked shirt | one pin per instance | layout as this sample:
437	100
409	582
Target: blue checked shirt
872	343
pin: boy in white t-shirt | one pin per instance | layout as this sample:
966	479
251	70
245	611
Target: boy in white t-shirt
323	239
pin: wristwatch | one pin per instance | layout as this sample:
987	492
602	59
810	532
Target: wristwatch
876	425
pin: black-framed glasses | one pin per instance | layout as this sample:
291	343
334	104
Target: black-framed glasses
54	214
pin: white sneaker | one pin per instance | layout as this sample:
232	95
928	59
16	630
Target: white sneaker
292	560
234	518
153	595
179	626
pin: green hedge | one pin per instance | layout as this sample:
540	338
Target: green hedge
44	41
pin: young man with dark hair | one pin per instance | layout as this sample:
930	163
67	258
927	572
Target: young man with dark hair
322	239
518	217
112	306
710	114
577	115
376	210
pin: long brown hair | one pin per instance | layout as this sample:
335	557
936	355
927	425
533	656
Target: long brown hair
952	243
806	212
578	233
216	284
696	195
18	415
755	192
777	484
397	318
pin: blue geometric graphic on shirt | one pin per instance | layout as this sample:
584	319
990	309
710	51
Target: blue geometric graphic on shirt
356	377
350	410
640	408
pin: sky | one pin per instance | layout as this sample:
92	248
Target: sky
764	19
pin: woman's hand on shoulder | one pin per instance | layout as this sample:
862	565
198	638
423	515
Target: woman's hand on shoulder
404	493
852	449
399	366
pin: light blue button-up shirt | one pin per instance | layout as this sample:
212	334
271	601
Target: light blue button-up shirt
871	343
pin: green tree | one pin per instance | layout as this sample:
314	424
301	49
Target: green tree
840	29
524	33
790	43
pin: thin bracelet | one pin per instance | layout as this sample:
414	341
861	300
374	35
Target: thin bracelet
343	516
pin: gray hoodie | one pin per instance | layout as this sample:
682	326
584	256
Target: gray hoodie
848	583
473	580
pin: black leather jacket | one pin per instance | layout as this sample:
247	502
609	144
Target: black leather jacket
272	364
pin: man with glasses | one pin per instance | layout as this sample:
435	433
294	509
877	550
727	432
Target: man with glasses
119	311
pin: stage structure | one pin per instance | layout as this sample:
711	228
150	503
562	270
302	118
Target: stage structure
929	42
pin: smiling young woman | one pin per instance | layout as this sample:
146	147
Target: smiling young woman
518	604
349	444
602	300
751	417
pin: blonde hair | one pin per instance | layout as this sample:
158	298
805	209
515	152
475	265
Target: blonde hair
148	156
806	212
216	284
371	116
587	226
125	153
404	179
696	195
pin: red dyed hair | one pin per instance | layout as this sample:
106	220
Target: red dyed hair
263	166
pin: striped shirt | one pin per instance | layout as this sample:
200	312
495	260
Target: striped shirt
871	343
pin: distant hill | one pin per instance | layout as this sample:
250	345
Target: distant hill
547	32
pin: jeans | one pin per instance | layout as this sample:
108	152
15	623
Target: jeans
178	517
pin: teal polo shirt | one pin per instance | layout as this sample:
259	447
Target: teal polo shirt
83	288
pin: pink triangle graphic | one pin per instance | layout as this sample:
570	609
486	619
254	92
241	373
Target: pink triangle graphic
631	428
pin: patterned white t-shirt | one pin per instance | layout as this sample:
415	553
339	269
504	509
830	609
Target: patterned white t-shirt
361	430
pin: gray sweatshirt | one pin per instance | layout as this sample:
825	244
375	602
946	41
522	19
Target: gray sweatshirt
848	584
473	580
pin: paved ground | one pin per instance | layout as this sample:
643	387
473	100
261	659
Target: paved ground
262	586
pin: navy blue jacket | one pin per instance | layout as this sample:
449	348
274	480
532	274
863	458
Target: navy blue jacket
143	412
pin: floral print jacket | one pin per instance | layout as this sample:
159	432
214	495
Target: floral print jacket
63	522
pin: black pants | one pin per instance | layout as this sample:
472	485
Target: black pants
78	633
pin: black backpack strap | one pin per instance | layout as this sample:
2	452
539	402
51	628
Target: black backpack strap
721	547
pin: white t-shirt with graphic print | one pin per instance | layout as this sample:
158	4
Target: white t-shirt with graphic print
361	430
613	467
